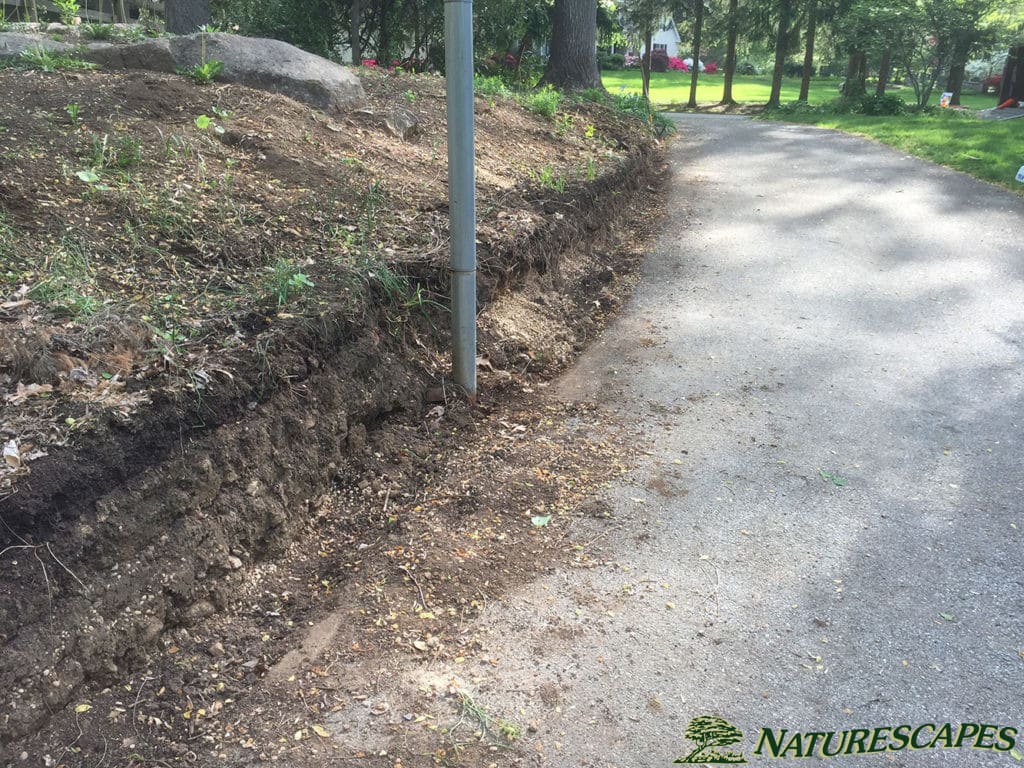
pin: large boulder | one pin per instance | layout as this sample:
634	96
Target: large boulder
269	65
13	44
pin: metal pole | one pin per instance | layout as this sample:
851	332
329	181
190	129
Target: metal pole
458	61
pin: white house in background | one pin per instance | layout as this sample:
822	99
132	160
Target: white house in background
666	39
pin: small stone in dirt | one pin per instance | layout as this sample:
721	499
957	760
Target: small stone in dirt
216	649
402	124
200	610
234	563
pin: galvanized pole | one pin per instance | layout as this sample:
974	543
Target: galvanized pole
458	60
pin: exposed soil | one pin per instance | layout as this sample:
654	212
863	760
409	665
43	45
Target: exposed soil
213	454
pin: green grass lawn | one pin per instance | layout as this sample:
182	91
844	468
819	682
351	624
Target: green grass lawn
987	149
673	88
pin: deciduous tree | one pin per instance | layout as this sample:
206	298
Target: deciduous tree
572	65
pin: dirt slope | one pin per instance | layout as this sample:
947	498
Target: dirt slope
219	306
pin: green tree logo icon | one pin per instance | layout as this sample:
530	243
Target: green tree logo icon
708	733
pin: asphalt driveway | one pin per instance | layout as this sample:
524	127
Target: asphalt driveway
823	364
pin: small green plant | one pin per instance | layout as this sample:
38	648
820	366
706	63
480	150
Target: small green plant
544	102
49	61
564	123
205	73
591	171
122	154
548	179
68	10
286	280
590	132
223	114
410	96
205	121
97	31
74	112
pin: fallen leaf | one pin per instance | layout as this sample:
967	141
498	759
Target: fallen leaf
541	521
322	732
947	616
82	708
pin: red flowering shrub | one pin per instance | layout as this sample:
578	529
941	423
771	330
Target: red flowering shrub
676	64
711	67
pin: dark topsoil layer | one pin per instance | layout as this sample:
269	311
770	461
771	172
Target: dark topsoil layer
180	408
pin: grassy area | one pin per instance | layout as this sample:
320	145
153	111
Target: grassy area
986	149
674	88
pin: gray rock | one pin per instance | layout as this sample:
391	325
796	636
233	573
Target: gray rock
13	44
269	65
154	55
402	124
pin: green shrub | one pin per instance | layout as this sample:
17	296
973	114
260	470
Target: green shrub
882	105
659	61
611	61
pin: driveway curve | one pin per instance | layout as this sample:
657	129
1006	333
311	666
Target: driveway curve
823	362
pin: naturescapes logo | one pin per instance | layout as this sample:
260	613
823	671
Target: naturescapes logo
865	741
711	733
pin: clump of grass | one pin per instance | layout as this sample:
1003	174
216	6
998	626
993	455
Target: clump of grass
489	85
68	283
50	61
285	280
544	102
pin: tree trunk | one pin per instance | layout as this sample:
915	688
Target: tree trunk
856	73
698	26
785	9
883	71
732	32
183	17
186	16
383	35
645	66
957	66
1012	85
812	29
572	65
355	23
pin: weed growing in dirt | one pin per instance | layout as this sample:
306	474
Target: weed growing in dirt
203	122
590	170
120	155
632	104
48	61
68	281
205	73
496	733
563	124
286	280
176	146
74	112
548	179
